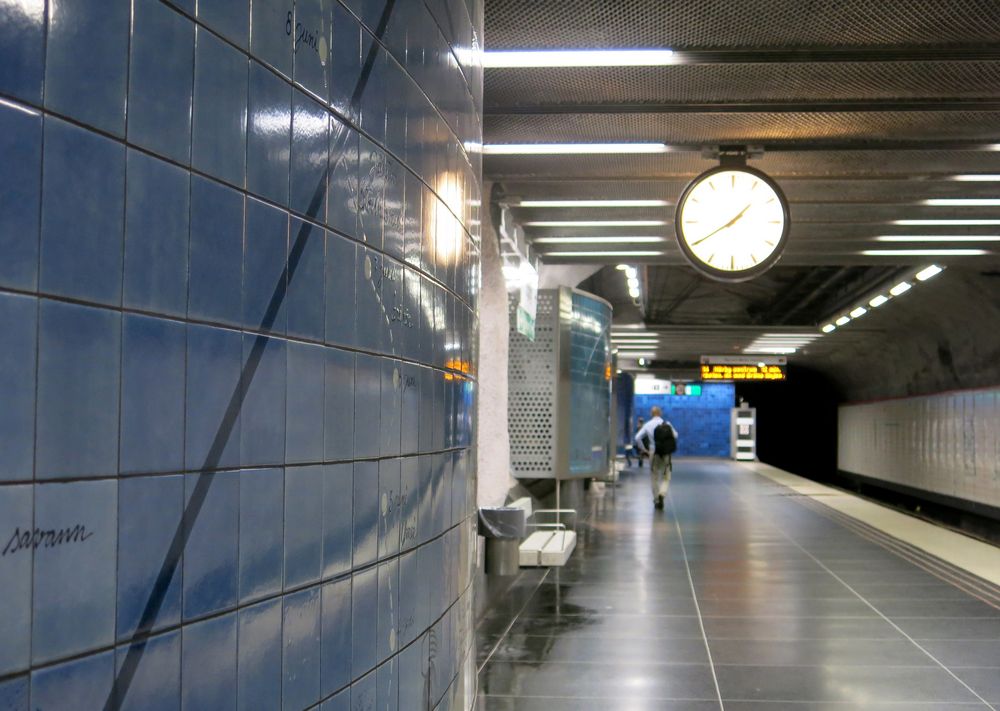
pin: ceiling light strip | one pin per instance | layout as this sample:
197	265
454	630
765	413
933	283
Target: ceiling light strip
538	149
549	58
599	240
595	223
592	203
924	252
878	300
938	238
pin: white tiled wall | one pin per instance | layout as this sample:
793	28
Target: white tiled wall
947	444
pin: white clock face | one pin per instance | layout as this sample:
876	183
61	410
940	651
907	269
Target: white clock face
732	223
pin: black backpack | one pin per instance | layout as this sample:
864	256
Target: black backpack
664	441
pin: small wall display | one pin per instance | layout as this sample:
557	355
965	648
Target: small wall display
731	368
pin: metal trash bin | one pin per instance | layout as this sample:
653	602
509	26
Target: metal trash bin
503	528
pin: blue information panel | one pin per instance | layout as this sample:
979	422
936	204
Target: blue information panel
590	378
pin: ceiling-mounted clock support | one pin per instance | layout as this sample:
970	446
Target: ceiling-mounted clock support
732	155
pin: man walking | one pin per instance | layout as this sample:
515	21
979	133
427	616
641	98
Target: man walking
663	438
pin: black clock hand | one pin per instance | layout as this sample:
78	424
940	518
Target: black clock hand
728	224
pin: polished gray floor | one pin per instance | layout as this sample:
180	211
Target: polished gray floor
738	596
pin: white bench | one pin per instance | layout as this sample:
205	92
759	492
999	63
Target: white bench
551	544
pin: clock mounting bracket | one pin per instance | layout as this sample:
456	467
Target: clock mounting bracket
732	155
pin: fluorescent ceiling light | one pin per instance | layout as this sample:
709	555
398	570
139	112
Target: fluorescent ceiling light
828	328
636	343
633	283
622	267
537	149
938	238
843	320
606	254
635	346
948	223
963	202
633	336
900	288
595	203
769	351
878	301
597	240
596	223
535	58
977	178
859	312
928	272
924	252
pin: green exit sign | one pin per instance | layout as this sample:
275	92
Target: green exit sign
692	389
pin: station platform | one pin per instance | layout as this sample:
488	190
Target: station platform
747	593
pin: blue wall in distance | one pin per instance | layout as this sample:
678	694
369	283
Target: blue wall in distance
702	422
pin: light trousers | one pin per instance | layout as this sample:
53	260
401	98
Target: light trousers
659	474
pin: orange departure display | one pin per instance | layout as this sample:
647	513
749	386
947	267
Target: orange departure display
741	371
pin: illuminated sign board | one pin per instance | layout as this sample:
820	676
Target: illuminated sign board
744	368
655	386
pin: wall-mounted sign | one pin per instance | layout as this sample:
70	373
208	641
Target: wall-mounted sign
655	386
744	368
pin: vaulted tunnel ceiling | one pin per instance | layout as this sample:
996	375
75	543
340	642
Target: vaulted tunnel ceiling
863	111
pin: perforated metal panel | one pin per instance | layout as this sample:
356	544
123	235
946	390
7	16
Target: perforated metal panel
532	387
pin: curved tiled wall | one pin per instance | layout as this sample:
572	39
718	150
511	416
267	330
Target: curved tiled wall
238	277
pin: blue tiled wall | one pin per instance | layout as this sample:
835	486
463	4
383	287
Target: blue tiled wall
702	421
238	269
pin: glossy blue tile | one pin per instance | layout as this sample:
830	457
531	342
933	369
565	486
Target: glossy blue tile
262	426
342	183
364	621
412	615
19	324
83	197
369	314
219	124
338	512
388	609
391	392
73	606
210	556
272	27
262	494
214	358
269	134
338	395
152	428
15	578
387	693
389	499
393	225
335	670
426	325
372	169
264	267
425	510
306	304
367	399
410	316
160	80
149	513
409	486
301	649
426	407
80	684
312	36
339	702
230	18
78	378
345	55
413	192
156	685
303	525
156	235
412	678
216	279
366	512
185	5
309	157
304	408
373	94
22	48
393	307
20	184
208	665
260	647
86	61
14	693
398	95
341	326
409	408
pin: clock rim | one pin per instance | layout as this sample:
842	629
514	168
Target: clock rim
723	274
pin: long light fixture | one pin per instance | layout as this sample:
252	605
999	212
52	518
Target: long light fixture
924	252
877	301
977	178
900	288
946	223
963	202
938	238
928	272
609	253
593	203
538	58
780	343
595	223
538	149
618	239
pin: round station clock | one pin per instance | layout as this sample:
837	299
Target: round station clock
732	223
